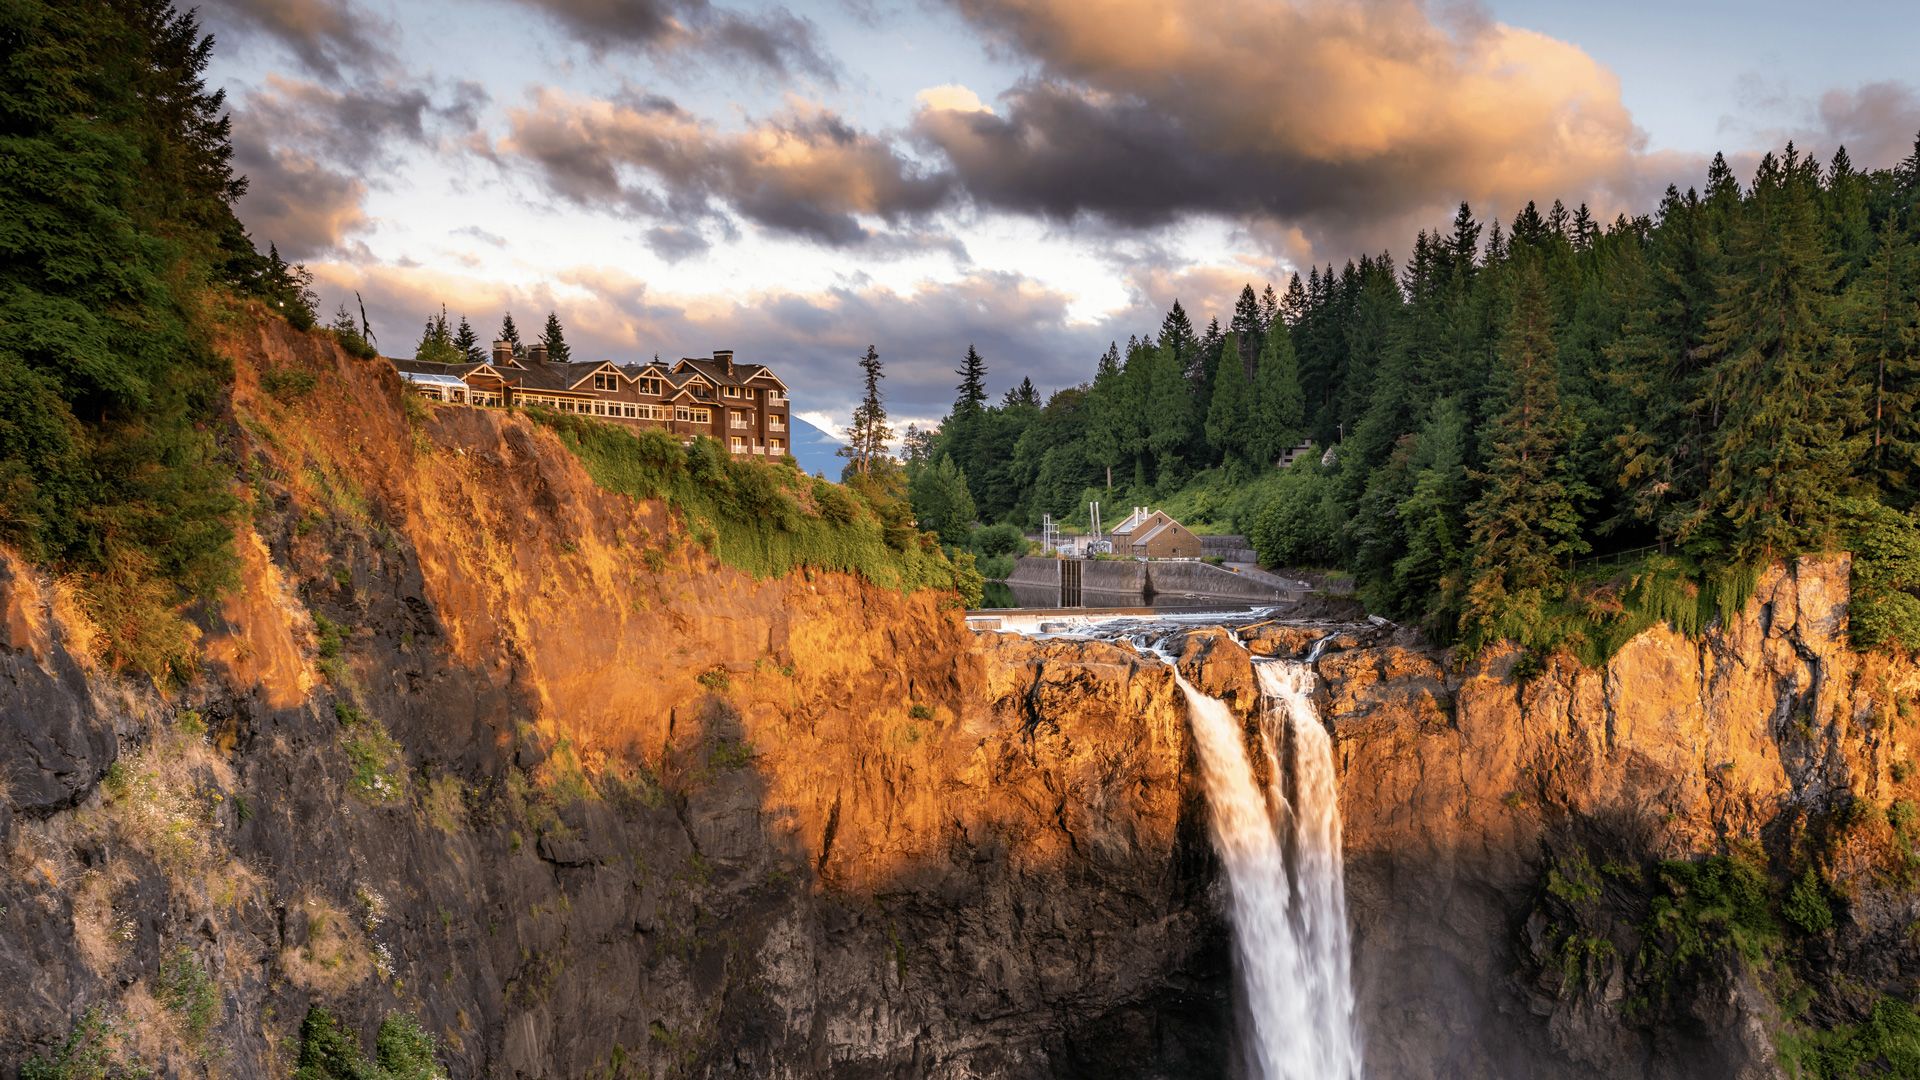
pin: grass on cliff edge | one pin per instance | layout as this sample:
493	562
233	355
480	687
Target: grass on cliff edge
766	518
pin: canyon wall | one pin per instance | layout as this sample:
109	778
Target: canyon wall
477	741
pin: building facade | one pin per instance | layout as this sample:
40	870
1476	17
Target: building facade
1151	534
744	406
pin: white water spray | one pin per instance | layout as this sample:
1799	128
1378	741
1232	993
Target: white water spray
1284	877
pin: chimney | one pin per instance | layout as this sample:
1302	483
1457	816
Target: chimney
724	357
502	353
537	353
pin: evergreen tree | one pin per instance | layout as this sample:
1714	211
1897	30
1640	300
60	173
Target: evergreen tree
1168	411
1111	415
916	446
1269	307
1293	306
436	341
868	434
941	501
1427	576
468	342
1229	415
1885	311
510	334
1780	387
1245	329
1021	396
555	339
1176	335
1278	408
973	385
1525	523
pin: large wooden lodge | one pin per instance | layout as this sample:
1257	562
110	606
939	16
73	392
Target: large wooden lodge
744	406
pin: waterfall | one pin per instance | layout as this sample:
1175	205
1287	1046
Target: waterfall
1284	878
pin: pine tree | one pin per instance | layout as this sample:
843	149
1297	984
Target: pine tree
1884	310
468	342
436	341
555	339
1293	307
1176	335
1168	411
1229	415
868	434
1277	413
1269	307
1780	385
973	385
941	501
510	334
1111	415
1427	577
1245	328
1526	521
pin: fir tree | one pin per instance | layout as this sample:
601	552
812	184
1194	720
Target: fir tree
510	334
1269	307
1525	523
1245	328
1277	412
973	385
868	434
468	342
1293	306
1779	388
1885	312
941	501
1176	335
1110	413
555	339
436	341
1229	415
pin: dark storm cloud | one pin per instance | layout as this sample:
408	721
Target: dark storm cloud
805	173
777	41
328	36
1335	117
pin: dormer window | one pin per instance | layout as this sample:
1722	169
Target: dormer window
650	386
732	391
604	381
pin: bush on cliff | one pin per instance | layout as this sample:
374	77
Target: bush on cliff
765	517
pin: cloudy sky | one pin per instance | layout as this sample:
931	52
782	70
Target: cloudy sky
1036	177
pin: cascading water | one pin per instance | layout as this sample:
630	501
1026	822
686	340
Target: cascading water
1284	878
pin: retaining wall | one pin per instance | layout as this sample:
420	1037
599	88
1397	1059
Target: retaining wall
1159	578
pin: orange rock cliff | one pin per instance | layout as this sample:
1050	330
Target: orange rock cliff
479	741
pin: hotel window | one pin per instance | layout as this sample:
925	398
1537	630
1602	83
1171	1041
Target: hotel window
732	391
742	419
606	382
776	422
775	396
739	445
694	416
650	386
777	446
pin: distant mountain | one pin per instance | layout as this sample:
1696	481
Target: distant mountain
817	451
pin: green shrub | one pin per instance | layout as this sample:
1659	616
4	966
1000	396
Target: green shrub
920	712
403	1050
995	567
185	988
998	540
1806	905
288	384
754	515
88	1053
716	680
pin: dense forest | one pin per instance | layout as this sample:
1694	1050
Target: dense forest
117	240
1554	430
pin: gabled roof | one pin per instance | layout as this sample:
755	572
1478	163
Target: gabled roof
1165	526
717	373
593	369
1132	521
564	378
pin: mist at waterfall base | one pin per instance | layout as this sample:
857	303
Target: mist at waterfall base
1281	850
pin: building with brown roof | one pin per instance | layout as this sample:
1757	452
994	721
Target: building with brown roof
744	406
1151	534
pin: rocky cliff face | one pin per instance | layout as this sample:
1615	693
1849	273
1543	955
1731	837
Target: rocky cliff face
480	742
